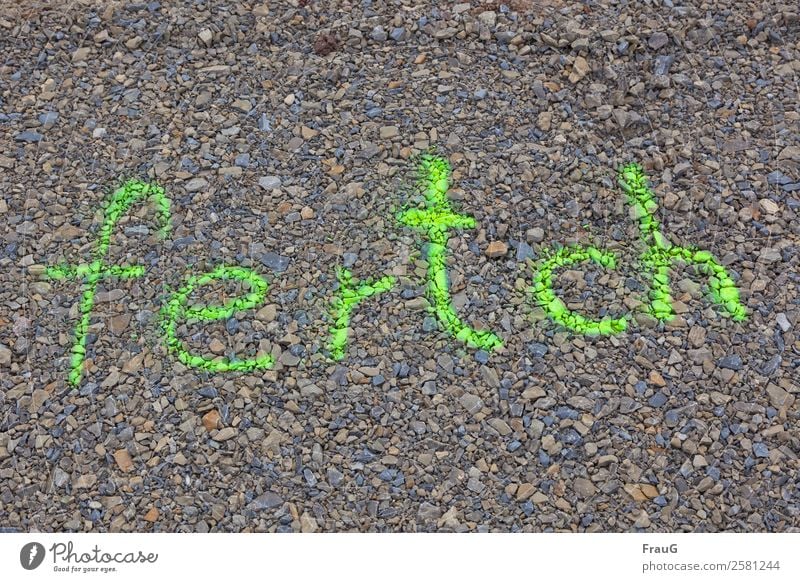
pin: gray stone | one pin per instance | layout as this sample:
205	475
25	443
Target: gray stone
505	36
584	488
48	118
349	259
274	261
657	400
760	450
269	182
60	478
732	362
534	235
663	63
428	512
471	402
398	33
335	477
378	34
429	324
524	251
658	40
29	137
537	350
771	365
783	322
196	184
778	177
268	500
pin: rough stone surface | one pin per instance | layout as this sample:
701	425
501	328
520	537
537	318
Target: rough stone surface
285	135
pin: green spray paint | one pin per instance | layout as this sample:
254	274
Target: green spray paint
96	271
350	294
176	309
545	295
657	261
435	221
661	254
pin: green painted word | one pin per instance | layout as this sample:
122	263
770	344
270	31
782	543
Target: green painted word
657	261
176	309
349	296
435	221
121	201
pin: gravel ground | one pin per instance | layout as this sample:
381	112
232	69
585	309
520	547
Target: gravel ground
285	135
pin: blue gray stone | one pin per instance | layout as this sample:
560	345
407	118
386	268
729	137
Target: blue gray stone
378	34
657	400
48	118
269	182
524	251
335	477
275	261
771	365
537	350
349	259
778	177
268	500
663	63
732	362
29	137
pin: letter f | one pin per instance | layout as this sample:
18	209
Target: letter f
121	201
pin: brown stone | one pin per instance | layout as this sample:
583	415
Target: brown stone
308	133
216	346
635	491
151	515
119	323
533	393
389	131
584	488
649	490
212	420
697	336
657	379
496	249
525	490
124	461
225	434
